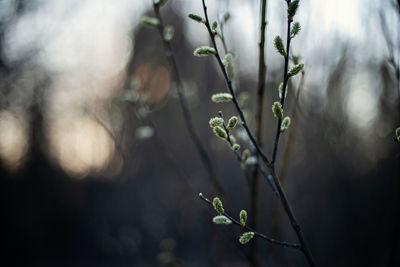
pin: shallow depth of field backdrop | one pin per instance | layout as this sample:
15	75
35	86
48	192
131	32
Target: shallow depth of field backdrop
97	168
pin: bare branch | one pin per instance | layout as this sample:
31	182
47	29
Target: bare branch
184	104
269	239
286	205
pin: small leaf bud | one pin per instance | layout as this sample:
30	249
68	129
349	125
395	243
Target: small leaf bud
220	132
236	147
246	237
221	219
221	97
204	51
217	204
243	217
281	90
196	18
215	25
296	69
232	122
217	121
168	33
292	9
245	155
277	110
279	46
150	21
295	29
285	124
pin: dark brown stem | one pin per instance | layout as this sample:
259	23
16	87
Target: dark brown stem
286	154
269	239
283	96
184	105
262	69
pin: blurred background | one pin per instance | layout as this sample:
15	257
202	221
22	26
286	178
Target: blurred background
97	167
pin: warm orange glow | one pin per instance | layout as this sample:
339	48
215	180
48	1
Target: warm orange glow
154	81
80	145
13	139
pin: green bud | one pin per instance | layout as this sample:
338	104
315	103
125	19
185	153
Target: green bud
246	237
398	132
232	122
243	217
285	124
228	63
251	161
295	29
236	147
150	21
281	90
296	69
221	219
278	43
296	59
227	59
168	33
227	16
245	155
277	110
217	121
220	132
196	18
217	203
221	97
214	25
292	9
204	51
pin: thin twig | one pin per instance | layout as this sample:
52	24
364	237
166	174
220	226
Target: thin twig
184	104
285	81
222	37
292	131
262	70
269	239
286	205
286	153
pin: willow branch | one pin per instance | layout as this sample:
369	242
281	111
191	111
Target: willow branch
231	91
285	203
292	133
269	239
262	69
184	104
285	81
